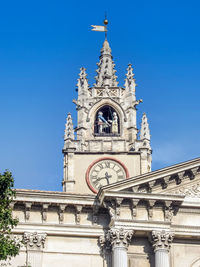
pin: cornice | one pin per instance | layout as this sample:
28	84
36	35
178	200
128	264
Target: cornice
141	196
152	176
53	197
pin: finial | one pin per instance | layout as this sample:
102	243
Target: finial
105	23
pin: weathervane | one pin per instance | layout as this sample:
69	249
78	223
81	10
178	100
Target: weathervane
99	28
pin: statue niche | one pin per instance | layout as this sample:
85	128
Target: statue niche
106	122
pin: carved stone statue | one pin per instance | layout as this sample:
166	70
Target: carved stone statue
102	123
114	127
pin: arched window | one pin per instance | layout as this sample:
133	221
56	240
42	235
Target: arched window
106	122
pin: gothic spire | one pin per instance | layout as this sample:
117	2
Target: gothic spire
69	129
82	81
106	72
130	81
144	131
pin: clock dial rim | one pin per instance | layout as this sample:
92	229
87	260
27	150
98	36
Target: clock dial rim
98	160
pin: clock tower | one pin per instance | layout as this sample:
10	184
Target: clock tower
106	146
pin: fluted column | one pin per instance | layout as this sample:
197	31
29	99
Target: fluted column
161	241
119	240
34	245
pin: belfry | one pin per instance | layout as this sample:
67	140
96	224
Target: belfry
107	133
113	211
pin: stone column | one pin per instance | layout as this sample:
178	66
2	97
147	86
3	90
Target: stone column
34	248
119	240
161	241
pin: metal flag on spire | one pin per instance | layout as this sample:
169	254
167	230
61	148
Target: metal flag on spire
99	28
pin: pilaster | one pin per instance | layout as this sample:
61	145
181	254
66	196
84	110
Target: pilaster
34	242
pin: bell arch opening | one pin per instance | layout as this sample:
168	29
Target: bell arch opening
107	122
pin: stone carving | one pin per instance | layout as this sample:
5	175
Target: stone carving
192	191
44	211
114	123
78	214
119	237
161	239
69	129
27	210
61	213
34	240
106	68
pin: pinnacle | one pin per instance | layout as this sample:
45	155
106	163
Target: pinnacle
144	132
106	48
69	130
106	68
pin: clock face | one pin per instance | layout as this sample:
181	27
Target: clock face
104	172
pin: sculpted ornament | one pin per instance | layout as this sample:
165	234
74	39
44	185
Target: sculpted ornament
119	237
34	240
162	239
193	191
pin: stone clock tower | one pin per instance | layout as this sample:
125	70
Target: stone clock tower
104	147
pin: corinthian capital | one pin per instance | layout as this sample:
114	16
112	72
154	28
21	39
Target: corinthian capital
119	237
34	240
161	239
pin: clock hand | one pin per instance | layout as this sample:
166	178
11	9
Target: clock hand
107	177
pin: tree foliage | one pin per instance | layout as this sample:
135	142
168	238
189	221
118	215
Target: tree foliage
9	246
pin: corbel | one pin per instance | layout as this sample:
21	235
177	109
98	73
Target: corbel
134	203
44	212
165	181
95	214
12	204
78	213
194	172
110	206
61	212
150	185
135	188
27	210
150	206
180	176
118	201
168	211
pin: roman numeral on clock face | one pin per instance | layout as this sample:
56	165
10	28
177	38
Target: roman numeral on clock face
107	164
100	165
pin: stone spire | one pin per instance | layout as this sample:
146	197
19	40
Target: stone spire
106	72
69	129
82	82
130	81
144	131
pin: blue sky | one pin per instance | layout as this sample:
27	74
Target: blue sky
44	43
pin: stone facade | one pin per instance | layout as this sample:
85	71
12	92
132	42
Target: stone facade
113	211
